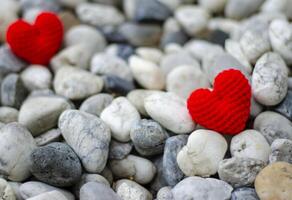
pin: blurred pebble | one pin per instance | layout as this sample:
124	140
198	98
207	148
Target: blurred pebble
8	114
281	151
96	103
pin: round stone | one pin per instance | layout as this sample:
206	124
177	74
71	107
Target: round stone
91	189
164	194
8	61
244	193
6	191
8	114
214	6
119	150
129	190
281	151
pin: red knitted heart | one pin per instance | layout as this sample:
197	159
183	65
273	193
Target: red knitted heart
225	109
39	42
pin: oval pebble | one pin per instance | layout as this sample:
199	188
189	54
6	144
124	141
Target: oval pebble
129	190
90	190
119	150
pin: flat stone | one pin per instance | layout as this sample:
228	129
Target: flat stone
8	114
244	193
281	151
89	191
129	190
96	103
119	150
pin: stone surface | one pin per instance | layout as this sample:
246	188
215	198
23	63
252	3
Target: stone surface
96	103
165	194
150	54
53	135
285	107
117	85
237	9
90	190
52	195
6	191
9	10
119	150
15	187
129	190
8	114
9	62
281	151
244	193
52	6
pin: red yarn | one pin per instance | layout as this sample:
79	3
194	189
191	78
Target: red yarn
225	109
36	43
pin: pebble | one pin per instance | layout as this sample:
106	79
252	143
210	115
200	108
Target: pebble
151	54
161	106
274	182
90	190
120	115
173	37
49	196
281	151
94	146
218	36
16	145
214	6
45	5
13	91
165	194
6	191
107	173
193	19
147	73
195	187
123	51
280	33
8	114
41	113
69	19
238	171
119	150
148	137
159	180
53	135
129	190
185	79
9	62
244	193
15	187
36	77
250	144
116	85
171	171
74	83
133	167
273	126
198	157
34	188
285	107
96	103
270	79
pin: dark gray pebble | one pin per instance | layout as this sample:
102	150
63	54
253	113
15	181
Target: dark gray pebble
125	51
244	193
218	37
117	85
97	191
159	180
113	35
178	37
285	107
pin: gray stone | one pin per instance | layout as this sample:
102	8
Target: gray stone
244	193
240	171
56	164
117	86
53	135
285	107
45	5
119	150
171	170
129	190
238	9
159	180
97	191
15	187
281	151
8	114
6	191
95	104
93	148
107	173
164	194
52	195
9	62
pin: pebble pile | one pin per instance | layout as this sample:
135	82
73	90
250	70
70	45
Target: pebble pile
107	119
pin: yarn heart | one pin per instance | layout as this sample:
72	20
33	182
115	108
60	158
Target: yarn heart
226	109
36	43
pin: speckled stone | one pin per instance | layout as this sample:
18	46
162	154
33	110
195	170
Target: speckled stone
281	151
244	193
53	135
164	193
119	150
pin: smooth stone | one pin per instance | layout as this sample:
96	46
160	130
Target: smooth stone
56	164
15	187
123	51
31	14
150	54
94	146
68	18
148	137
16	145
200	188
218	37
120	115
133	167
8	114
108	2
41	113
99	15
116	85
185	79
250	144
164	194
280	33
52	195
214	6
198	156
74	83
193	19
45	5
171	171
33	188
9	62
96	103
281	151
159	180
36	77
129	190
105	64
270	79
237	9
273	126
161	106
97	191
285	107
244	193
113	34
176	37
119	150
13	91
6	191
239	171
53	135
274	182
273	6
107	173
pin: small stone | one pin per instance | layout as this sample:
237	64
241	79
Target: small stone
239	171
119	150
53	135
13	91
150	54
123	51
41	113
238	9
68	18
204	189
281	151
198	156
9	62
36	77
164	193
107	173
218	37
171	171
15	187
8	114
274	182
244	193
90	190
176	37
6	191
193	19
273	126
45	5
250	144
49	196
215	6
120	115
148	137
161	107
285	107
93	148
137	168
75	83
159	180
96	104
116	85
129	190
16	145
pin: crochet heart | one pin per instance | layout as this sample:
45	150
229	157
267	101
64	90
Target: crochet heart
225	109
36	43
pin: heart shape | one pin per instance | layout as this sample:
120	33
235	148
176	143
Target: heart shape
36	43
226	109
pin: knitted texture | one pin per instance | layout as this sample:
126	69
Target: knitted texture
226	109
36	43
